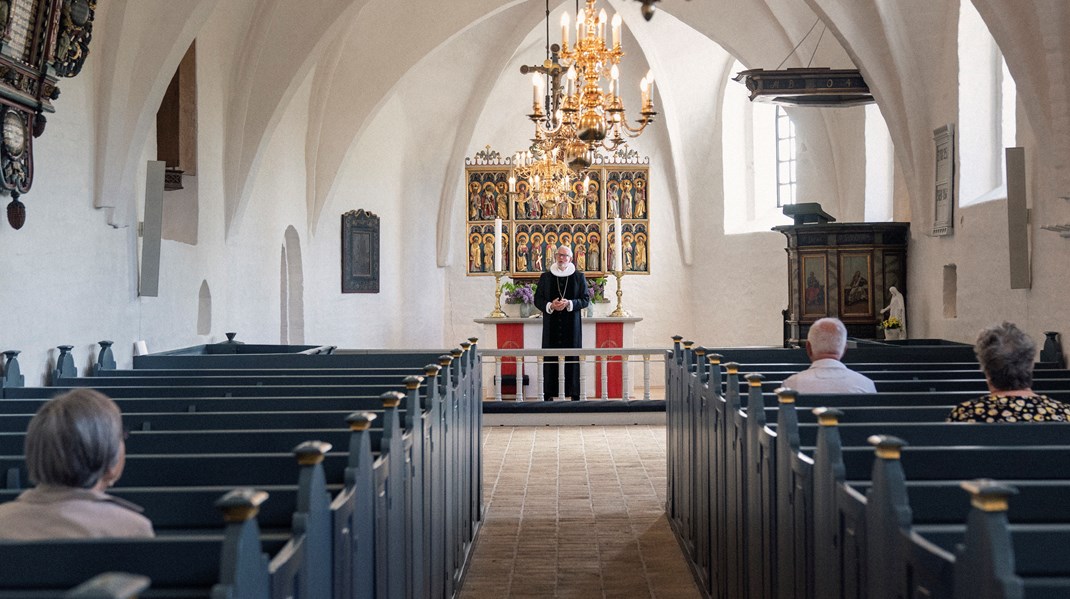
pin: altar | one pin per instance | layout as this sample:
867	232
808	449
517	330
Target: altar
526	333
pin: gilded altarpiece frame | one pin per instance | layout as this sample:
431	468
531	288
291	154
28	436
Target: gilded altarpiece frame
584	222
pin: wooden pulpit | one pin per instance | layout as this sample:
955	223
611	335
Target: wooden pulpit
842	270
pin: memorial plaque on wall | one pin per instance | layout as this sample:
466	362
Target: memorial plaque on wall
360	252
944	193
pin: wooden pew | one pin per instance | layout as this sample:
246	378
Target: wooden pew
111	585
741	496
449	406
232	563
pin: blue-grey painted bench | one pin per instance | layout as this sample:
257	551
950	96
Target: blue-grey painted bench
728	530
443	527
232	563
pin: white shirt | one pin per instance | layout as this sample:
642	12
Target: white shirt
829	376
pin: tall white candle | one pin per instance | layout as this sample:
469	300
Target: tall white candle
564	30
618	254
536	89
497	245
616	30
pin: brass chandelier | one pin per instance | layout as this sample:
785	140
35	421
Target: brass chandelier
598	115
576	118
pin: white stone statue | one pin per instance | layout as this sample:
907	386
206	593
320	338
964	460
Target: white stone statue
897	308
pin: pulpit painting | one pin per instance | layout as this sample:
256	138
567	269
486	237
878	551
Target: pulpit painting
856	278
360	252
815	284
532	230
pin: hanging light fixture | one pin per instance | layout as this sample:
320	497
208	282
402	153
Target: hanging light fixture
574	114
596	111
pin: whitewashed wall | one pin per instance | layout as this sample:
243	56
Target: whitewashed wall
70	277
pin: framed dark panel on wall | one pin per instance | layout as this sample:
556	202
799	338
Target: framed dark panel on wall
360	252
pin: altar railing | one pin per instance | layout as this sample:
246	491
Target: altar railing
605	374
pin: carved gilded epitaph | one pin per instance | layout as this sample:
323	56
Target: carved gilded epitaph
41	41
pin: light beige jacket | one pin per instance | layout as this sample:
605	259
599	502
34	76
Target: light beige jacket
68	513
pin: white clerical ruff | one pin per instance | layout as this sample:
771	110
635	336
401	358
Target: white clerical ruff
562	272
562	275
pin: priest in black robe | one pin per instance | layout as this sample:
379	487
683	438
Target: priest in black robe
562	296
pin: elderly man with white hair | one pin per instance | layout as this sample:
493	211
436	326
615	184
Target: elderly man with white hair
825	344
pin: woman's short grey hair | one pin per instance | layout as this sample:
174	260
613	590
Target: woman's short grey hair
1006	355
73	439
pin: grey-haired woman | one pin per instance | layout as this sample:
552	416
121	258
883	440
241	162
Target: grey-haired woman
74	451
1006	355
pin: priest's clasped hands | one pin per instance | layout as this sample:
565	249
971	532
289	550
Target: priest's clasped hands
559	304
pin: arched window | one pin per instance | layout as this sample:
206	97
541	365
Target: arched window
749	147
879	173
785	159
987	100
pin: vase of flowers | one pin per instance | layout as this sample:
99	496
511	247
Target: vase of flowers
519	297
893	328
596	293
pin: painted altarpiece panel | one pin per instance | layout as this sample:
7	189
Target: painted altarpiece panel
584	222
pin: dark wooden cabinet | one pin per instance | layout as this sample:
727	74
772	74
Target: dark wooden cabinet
842	270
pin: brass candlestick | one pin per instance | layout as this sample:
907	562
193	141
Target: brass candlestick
497	312
619	312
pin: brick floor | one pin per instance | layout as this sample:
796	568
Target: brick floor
576	512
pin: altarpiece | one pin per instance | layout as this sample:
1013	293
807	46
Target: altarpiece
618	187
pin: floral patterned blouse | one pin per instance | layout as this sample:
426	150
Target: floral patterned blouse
996	408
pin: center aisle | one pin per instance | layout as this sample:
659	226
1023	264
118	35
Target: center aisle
576	512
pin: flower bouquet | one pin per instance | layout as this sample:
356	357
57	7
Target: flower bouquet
893	328
596	289
596	292
521	294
